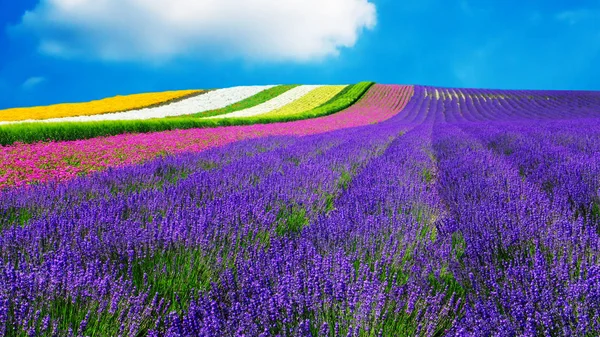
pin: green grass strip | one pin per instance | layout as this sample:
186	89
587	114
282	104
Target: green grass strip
247	103
64	131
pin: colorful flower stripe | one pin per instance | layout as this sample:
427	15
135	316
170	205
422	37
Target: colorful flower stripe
274	104
310	101
28	163
211	100
102	106
252	101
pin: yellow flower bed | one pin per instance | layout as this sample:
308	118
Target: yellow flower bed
106	105
307	102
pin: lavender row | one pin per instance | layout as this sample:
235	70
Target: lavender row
565	163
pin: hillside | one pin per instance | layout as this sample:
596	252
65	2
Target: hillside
295	210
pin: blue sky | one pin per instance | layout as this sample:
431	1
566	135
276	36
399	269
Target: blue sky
70	50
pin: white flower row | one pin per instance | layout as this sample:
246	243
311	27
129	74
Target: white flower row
273	104
211	100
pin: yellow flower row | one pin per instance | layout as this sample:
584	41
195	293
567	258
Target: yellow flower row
307	102
102	106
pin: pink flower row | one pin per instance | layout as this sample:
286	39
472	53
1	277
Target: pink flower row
22	164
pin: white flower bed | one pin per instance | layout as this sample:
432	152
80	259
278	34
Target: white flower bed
216	99
274	104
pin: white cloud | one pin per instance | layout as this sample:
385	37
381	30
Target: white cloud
33	82
160	30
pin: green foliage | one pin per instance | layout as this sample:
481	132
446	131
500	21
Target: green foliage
14	216
459	245
589	212
595	212
64	131
427	175
291	221
329	199
446	282
174	274
344	180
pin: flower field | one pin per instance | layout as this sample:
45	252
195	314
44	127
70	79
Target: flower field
94	108
383	210
40	162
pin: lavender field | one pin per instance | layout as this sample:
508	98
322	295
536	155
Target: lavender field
466	213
